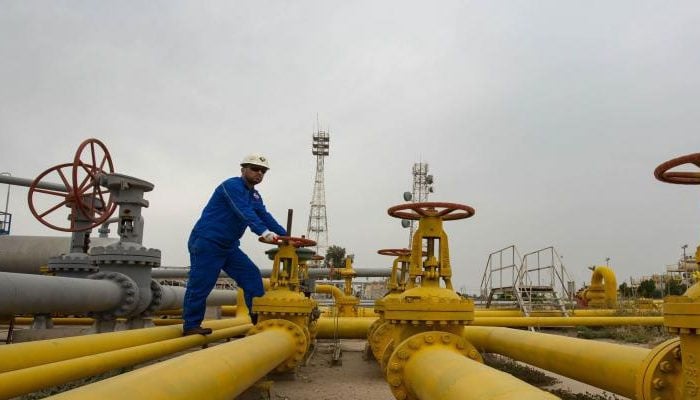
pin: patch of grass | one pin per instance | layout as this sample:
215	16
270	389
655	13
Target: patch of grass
72	385
629	334
520	371
567	395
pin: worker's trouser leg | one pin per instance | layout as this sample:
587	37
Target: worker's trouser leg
246	274
206	261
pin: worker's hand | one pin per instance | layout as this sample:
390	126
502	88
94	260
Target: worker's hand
270	236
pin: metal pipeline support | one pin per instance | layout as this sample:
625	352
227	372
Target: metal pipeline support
344	327
437	365
230	368
611	367
29	354
22	381
521	322
34	294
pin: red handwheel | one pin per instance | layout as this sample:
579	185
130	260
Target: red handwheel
294	241
663	174
445	211
92	159
45	204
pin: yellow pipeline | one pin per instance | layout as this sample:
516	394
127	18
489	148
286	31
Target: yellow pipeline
611	367
603	290
576	313
566	321
348	327
22	381
332	290
24	355
220	372
89	321
441	374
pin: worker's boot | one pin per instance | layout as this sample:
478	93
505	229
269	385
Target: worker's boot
196	331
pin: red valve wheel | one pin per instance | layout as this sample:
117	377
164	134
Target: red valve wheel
663	174
90	162
316	257
56	198
394	252
445	211
294	241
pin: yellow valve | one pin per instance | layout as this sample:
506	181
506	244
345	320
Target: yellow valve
283	300
429	302
681	313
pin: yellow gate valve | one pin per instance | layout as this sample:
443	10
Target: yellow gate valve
397	278
429	302
283	300
348	303
675	372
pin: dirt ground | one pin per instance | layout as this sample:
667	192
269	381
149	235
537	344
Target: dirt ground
320	379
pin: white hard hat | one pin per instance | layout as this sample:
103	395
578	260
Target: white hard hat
256	159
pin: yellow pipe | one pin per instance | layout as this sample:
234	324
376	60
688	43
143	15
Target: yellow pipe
24	355
348	327
22	381
589	312
90	321
441	374
567	321
332	290
220	372
611	367
603	278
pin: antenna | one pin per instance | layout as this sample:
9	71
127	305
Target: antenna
318	223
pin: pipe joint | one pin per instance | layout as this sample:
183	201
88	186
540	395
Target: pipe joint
660	376
129	300
425	341
301	342
156	299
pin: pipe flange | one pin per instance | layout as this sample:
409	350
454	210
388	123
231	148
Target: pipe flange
130	295
156	299
300	339
374	326
432	339
381	336
661	374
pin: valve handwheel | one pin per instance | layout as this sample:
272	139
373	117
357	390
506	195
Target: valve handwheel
38	197
445	211
394	252
663	174
294	241
92	160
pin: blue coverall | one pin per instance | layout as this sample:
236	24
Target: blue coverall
214	245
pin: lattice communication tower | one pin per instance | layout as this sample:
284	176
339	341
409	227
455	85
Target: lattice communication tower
422	186
318	223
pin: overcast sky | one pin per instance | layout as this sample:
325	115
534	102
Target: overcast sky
547	117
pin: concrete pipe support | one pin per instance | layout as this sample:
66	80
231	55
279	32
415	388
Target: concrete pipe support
35	294
22	381
611	367
228	369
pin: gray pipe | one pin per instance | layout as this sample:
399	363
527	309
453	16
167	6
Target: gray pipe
26	254
181	272
13	180
37	294
174	296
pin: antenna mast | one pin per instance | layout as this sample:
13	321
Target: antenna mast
318	223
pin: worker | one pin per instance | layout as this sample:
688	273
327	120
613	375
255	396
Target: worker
215	240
